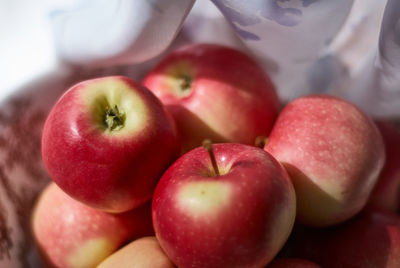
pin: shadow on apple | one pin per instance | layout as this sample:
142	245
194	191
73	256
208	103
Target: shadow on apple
371	239
313	205
198	129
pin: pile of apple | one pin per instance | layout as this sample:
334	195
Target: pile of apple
138	182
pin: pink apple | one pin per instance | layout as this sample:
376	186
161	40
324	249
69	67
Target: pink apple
240	218
215	92
292	263
370	239
333	153
107	141
71	234
144	252
386	194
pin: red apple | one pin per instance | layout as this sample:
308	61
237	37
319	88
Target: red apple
71	234
239	218
215	92
386	194
333	153
107	141
371	239
144	252
292	263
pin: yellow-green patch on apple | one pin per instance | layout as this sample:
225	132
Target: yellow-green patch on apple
180	78
91	252
204	198
115	107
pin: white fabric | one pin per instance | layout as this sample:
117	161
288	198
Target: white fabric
105	32
307	46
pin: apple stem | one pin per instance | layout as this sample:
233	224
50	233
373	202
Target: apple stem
114	119
207	144
261	141
185	82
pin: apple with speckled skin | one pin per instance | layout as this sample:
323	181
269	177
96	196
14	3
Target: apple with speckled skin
215	92
144	252
292	263
239	218
333	153
71	234
107	141
386	194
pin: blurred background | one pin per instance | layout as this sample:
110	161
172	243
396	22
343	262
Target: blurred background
346	47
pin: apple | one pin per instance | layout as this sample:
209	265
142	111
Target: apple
71	234
232	205
370	239
333	153
214	92
292	263
386	194
107	141
144	252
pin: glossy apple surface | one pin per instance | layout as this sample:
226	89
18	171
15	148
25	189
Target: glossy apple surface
144	252
370	239
240	218
215	92
71	234
107	141
333	153
386	194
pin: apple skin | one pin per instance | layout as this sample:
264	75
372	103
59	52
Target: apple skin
370	239
292	263
215	92
112	170
144	252
386	194
333	153
71	234
241	218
